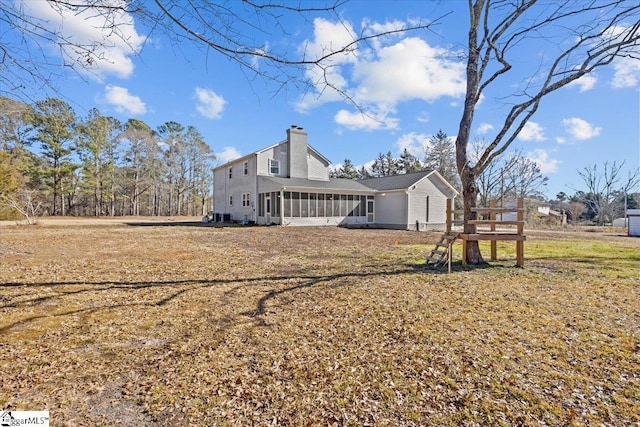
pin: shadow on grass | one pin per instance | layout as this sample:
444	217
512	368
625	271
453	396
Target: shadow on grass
183	287
170	223
600	261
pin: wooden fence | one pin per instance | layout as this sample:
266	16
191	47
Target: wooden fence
496	228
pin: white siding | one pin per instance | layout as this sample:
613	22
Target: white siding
236	186
318	168
278	152
634	222
391	209
219	190
418	205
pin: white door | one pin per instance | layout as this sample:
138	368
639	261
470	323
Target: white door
370	206
267	209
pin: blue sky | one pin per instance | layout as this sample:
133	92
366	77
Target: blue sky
412	83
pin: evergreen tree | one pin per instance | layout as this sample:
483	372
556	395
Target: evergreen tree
408	163
441	156
53	121
385	165
347	170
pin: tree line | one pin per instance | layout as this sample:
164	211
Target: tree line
53	162
508	177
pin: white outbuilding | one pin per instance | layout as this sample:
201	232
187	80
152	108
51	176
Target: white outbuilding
633	220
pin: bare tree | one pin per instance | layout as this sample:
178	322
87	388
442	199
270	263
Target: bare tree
578	37
224	28
507	178
24	202
575	209
605	186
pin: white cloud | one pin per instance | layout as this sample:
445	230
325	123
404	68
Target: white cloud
424	117
210	104
561	140
365	121
389	71
484	128
532	131
227	154
546	164
109	39
580	129
627	73
409	69
328	37
123	101
414	143
626	67
584	83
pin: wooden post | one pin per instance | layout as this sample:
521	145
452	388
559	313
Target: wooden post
449	215
520	243
464	251
492	217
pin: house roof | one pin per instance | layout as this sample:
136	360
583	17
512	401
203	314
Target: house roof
394	182
369	185
338	184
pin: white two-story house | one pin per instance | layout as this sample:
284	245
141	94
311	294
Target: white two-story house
288	183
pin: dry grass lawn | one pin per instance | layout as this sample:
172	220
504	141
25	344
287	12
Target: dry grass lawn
145	324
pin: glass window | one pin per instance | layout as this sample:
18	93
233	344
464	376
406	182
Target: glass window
336	205
320	204
350	205
363	205
246	200
230	200
230	173
304	205
276	206
312	204
246	168
274	167
343	205
295	204
287	203
261	204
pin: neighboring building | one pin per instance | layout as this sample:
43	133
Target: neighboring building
288	183
633	221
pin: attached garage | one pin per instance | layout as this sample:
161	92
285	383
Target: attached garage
633	219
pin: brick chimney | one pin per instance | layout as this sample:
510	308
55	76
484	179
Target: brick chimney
297	141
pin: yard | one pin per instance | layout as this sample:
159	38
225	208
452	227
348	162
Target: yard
182	324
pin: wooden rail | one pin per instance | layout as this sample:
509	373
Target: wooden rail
493	234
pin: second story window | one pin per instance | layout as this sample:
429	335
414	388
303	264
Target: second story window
274	167
246	168
230	173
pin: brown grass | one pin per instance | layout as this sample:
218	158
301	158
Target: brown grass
193	325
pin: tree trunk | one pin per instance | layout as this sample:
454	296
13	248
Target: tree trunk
470	195
466	171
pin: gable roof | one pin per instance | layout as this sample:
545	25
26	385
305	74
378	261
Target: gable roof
404	181
394	182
